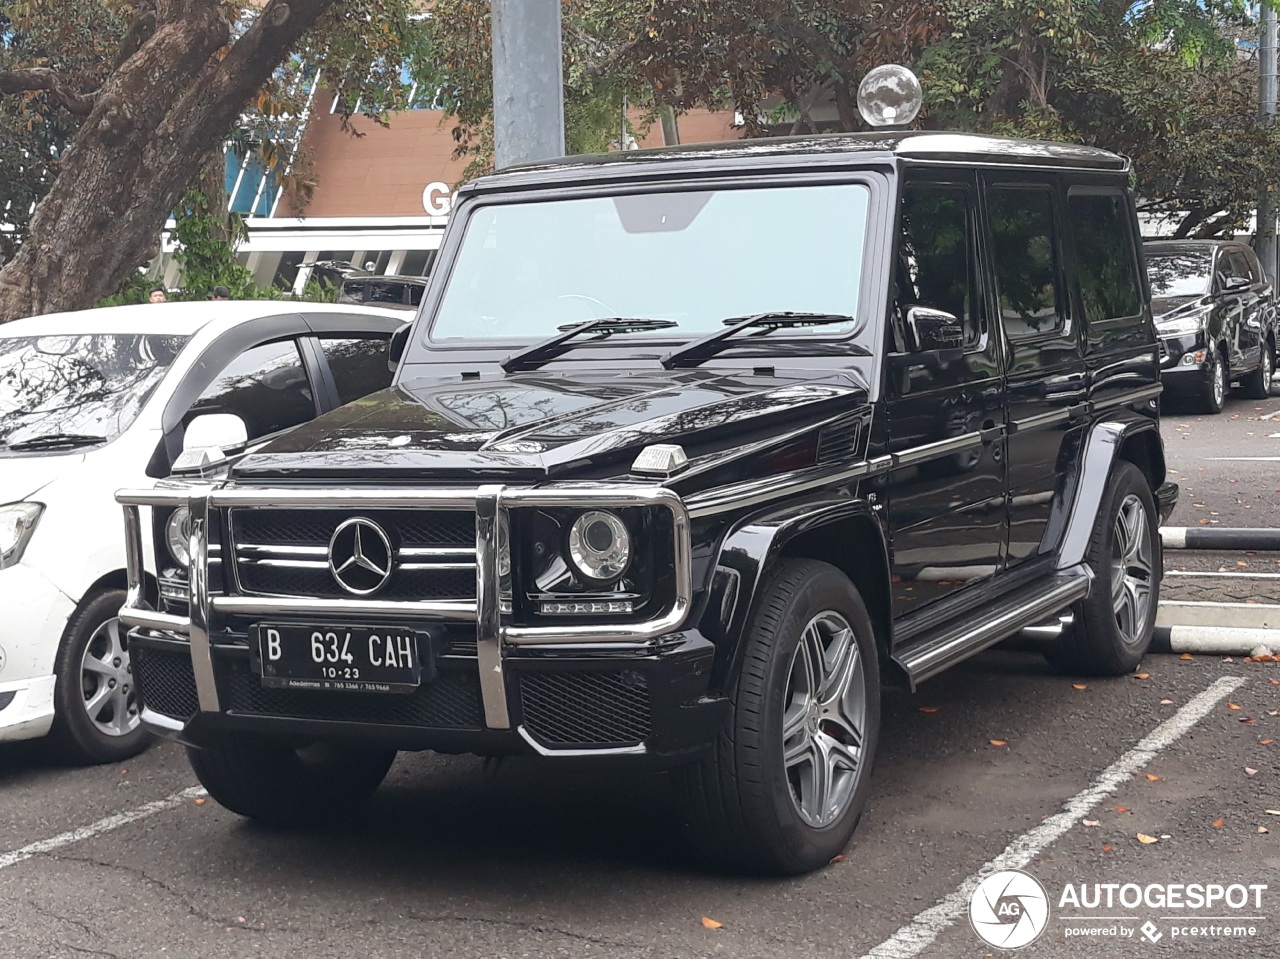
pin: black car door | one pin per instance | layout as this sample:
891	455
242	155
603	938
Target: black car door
1046	380
944	406
1245	275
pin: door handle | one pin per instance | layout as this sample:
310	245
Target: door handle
991	431
1077	412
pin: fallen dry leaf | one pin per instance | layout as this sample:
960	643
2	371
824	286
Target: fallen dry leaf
199	802
1079	685
1186	656
1272	812
1234	706
1274	682
1273	712
928	709
1166	702
709	923
1218	823
1145	839
1108	847
1144	675
1123	809
1152	778
1265	742
1246	719
1249	770
998	742
1089	822
1263	829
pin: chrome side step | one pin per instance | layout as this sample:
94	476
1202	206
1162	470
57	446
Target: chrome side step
1027	607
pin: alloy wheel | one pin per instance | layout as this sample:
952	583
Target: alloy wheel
106	682
1132	570
1219	381
824	719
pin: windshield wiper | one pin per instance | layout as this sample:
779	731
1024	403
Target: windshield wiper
695	351
531	357
55	440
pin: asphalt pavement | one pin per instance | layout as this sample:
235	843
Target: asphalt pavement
1000	763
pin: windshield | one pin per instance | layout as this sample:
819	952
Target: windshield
1185	273
526	270
87	384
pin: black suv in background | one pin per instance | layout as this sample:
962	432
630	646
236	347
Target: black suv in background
1216	318
688	452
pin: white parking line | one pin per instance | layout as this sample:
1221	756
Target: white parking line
920	932
102	825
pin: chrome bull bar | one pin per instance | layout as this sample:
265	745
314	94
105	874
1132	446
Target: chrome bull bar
493	636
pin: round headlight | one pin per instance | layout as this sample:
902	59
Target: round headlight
504	549
600	545
178	536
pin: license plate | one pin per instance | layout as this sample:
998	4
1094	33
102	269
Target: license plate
363	659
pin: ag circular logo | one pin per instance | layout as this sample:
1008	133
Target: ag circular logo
1009	909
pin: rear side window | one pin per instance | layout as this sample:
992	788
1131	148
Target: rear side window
1104	251
1240	266
1026	261
359	366
937	255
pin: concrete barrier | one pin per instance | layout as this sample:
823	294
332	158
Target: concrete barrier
1226	629
1219	537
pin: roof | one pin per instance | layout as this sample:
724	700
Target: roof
906	145
182	319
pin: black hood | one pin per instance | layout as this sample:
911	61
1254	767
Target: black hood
543	425
1171	307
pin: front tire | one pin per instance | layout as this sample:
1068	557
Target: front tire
1213	391
1257	385
96	717
1114	624
281	784
789	773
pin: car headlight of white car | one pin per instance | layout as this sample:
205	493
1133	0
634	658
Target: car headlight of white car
178	536
17	523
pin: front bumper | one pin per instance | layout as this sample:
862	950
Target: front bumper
1183	358
591	690
35	614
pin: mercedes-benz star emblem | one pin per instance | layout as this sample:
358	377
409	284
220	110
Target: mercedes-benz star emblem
360	556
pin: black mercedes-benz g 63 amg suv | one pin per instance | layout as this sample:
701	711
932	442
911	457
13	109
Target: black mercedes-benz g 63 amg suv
688	451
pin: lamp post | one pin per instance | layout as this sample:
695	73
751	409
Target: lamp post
528	82
1266	225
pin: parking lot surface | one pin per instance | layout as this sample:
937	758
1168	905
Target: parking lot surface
456	858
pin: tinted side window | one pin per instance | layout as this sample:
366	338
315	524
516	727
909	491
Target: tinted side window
1104	252
1239	265
359	366
936	255
1026	261
266	386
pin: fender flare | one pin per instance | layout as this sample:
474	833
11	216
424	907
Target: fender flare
1107	442
752	547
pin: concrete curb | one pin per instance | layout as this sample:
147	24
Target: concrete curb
1227	629
1219	537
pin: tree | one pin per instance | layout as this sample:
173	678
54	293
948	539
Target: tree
151	88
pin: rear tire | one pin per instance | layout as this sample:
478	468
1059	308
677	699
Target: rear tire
790	770
283	785
1257	385
1114	624
1213	391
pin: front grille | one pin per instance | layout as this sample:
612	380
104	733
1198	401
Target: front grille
586	708
450	701
284	552
165	681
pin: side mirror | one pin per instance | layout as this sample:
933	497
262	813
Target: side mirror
224	431
930	329
399	339
1233	283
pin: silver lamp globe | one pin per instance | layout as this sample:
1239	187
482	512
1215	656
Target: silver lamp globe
889	96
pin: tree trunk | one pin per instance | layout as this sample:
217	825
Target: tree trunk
161	112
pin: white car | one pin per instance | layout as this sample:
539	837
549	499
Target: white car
97	400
